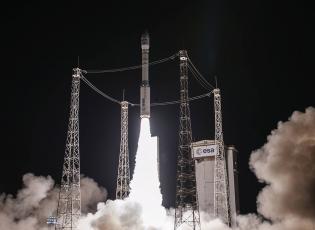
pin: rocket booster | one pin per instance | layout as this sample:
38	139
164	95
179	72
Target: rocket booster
145	87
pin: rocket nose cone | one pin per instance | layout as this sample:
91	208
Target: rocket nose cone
145	38
145	33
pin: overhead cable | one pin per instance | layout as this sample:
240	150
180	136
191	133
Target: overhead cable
130	67
178	101
200	81
134	104
199	74
99	91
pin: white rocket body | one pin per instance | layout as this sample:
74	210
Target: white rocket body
145	87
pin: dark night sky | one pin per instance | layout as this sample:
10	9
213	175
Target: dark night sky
260	52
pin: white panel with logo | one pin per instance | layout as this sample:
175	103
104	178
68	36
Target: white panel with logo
204	151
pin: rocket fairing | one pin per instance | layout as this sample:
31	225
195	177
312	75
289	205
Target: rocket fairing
145	87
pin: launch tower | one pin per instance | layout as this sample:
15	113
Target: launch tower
123	178
186	211
221	186
69	202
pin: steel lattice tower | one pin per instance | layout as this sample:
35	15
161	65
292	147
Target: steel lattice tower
221	197
123	178
69	203
186	212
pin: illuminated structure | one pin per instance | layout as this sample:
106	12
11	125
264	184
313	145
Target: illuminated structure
123	177
221	186
204	153
69	202
186	210
232	170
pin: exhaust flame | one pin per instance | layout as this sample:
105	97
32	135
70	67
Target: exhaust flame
145	185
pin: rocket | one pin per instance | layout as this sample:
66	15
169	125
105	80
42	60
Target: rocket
145	87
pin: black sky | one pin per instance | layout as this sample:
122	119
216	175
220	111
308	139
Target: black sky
260	51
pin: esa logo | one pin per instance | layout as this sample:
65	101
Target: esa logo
201	151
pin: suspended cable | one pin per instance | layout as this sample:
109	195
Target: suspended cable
176	101
199	74
134	104
197	71
130	67
99	91
199	79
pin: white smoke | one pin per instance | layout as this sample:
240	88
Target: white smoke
286	163
27	211
118	214
91	194
37	200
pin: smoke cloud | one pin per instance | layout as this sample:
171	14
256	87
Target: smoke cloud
286	164
118	214
37	200
91	195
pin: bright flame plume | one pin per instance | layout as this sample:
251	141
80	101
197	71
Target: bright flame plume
145	185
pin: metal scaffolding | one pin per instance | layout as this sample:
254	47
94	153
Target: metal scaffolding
221	197
123	177
69	202
186	211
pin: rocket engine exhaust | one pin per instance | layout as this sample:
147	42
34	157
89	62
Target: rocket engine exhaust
145	87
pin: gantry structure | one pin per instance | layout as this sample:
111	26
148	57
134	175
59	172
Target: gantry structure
186	210
123	177
221	185
69	202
